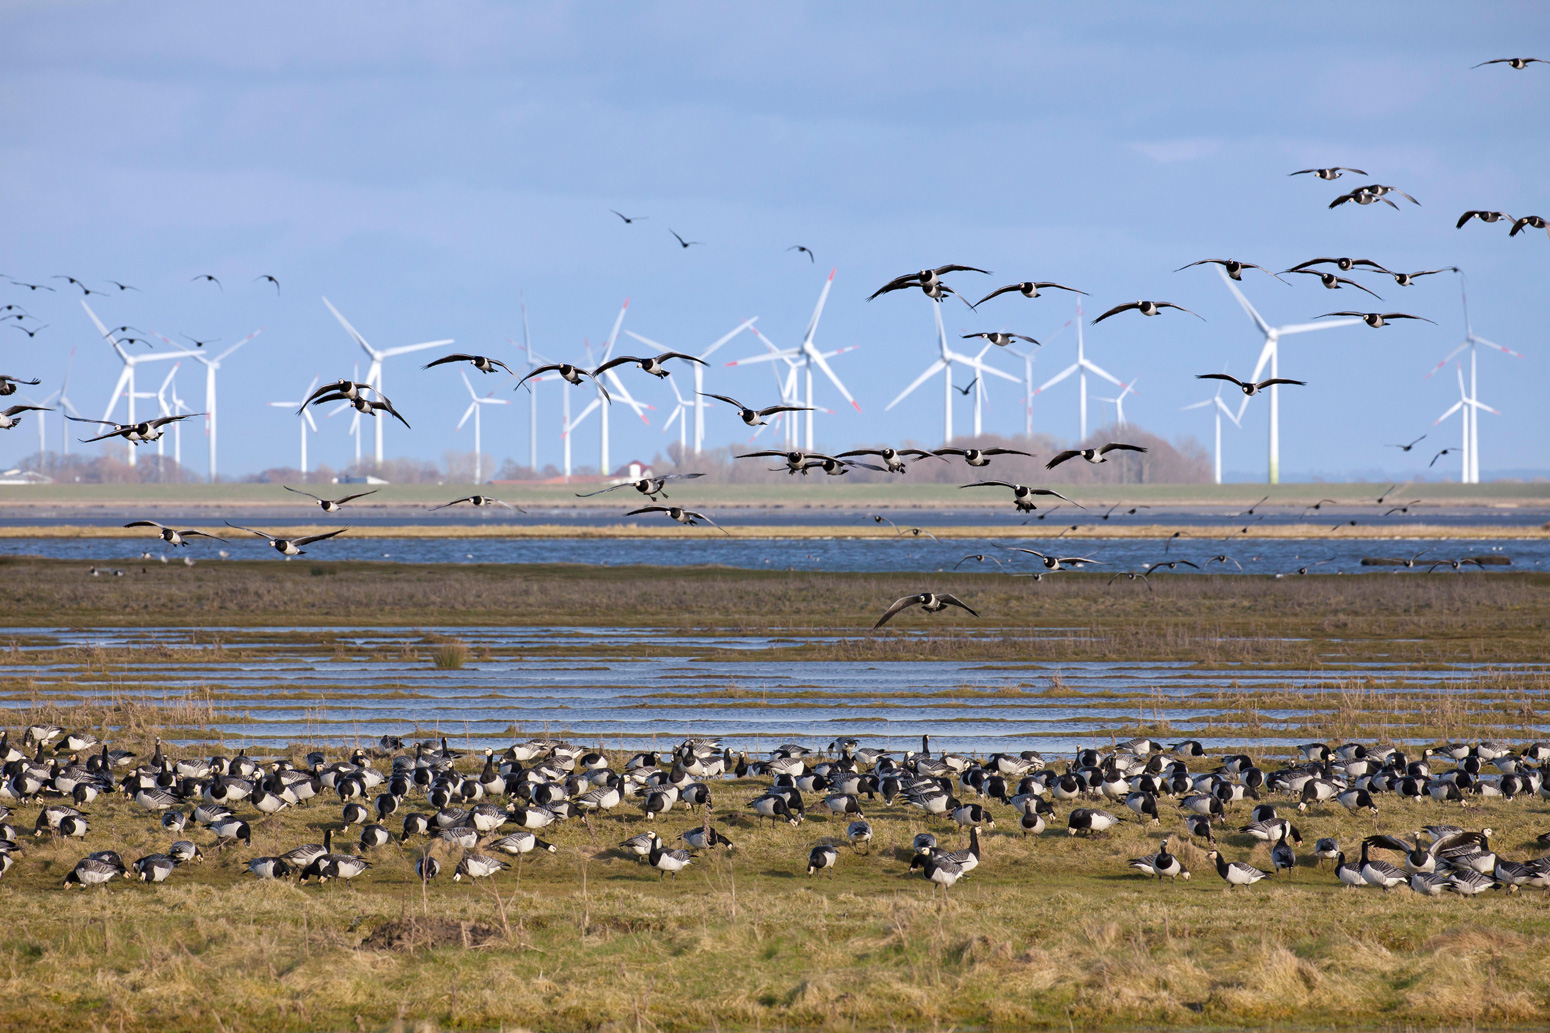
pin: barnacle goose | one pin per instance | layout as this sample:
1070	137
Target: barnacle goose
478	866
939	868
184	850
1468	883
1161	864
705	837
1234	873
519	843
1090	820
822	856
1282	856
1381	873
373	836
154	867
859	833
426	867
666	861
924	843
1327	849
90	871
270	868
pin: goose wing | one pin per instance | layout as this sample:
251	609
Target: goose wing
997	292
309	494
351	498
1120	446
250	530
897	607
309	539
1061	457
1116	310
953	600
457	357
144	523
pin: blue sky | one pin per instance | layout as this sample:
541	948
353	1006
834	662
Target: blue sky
424	165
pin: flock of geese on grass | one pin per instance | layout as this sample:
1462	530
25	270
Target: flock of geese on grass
544	782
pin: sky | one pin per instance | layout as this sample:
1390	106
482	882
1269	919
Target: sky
430	167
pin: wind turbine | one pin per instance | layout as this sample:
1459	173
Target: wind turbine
44	403
699	404
65	405
165	405
1219	409
306	420
1081	367
355	418
212	364
1466	407
602	407
680	409
1271	353
475	411
1119	402
806	356
377	355
943	364
1472	416
126	379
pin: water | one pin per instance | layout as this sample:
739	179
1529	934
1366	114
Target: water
1256	556
675	686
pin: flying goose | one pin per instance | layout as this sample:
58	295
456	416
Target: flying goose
478	501
1022	495
1054	562
1482	216
1092	455
11	417
1028	289
1232	266
1345	265
978	557
170	536
1132	575
1361	195
8	384
1234	873
684	243
755	417
1249	387
1330	173
134	433
930	602
1151	568
1536	221
1379	189
570	374
796	462
1000	338
650	364
925	279
650	487
482	363
687	517
890	457
366	406
979	456
1406	448
330	505
1519	63
1331	281
822	856
350	389
289	546
1146	308
1377	319
1408	279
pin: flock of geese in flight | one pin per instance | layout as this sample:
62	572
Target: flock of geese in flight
548	784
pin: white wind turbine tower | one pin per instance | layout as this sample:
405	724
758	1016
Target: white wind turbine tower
618	391
45	403
1466	407
475	411
165	405
806	355
65	405
377	355
943	364
680	409
1271	353
534	360
1472	415
126	380
698	404
306	419
1219	409
1119	402
213	364
786	423
1081	367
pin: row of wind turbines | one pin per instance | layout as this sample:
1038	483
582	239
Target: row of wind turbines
794	373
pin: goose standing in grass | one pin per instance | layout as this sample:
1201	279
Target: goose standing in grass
1090	820
426	868
1161	864
154	867
939	869
1282	856
1327	849
859	833
478	866
524	842
666	861
91	871
1380	873
270	868
1032	822
1234	873
821	857
705	837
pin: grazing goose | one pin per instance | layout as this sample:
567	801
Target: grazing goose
154	867
1282	856
1469	883
942	870
463	836
289	546
1032	822
304	855
93	872
232	830
335	866
1327	849
1380	873
524	842
639	845
1430	884
184	851
775	807
270	868
705	837
478	866
1090	820
822	856
1161	864
373	836
859	833
666	861
1235	873
426	867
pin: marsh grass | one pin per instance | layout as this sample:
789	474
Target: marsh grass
1050	932
450	656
